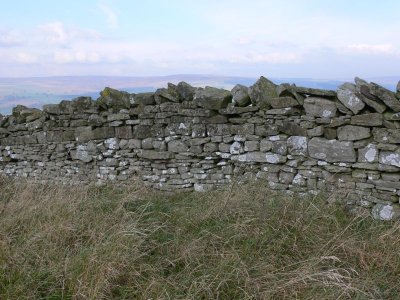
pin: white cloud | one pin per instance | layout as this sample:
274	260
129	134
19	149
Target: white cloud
71	56
54	32
110	14
25	58
57	33
372	48
10	38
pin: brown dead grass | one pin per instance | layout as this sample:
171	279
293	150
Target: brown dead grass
242	242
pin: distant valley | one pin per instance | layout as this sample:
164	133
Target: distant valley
37	91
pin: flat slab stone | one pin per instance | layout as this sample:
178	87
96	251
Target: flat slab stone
212	98
283	111
152	154
331	150
315	92
389	158
371	100
353	133
383	135
291	128
320	107
262	157
234	110
177	146
388	97
373	119
346	94
282	102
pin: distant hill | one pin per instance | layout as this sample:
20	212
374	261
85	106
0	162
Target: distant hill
36	91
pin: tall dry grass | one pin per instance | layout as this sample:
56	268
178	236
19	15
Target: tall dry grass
242	242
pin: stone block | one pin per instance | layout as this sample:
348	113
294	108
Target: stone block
368	154
124	132
353	133
373	119
331	150
283	102
320	107
347	95
177	146
297	145
389	158
212	98
155	155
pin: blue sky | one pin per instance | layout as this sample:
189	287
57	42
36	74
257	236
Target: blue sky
286	38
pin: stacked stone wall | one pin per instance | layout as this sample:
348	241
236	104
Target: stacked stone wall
185	138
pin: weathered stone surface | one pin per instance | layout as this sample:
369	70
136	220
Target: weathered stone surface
84	134
368	154
212	98
389	158
141	131
111	98
383	135
331	150
185	91
315	92
166	95
353	133
291	128
103	133
52	109
373	119
262	91
369	99
236	148
30	114
317	131
391	116
155	155
347	94
262	157
124	132
386	212
320	107
283	102
297	145
82	153
84	104
112	143
233	110
398	90
388	97
240	95
283	111
142	99
287	90
177	146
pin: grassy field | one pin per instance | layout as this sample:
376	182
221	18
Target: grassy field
243	242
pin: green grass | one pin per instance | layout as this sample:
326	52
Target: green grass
243	242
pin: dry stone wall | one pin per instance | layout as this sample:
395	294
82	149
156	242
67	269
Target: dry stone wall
293	138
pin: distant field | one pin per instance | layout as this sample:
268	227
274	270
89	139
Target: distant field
242	242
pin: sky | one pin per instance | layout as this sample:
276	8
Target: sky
333	39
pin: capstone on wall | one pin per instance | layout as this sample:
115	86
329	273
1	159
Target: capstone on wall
181	137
